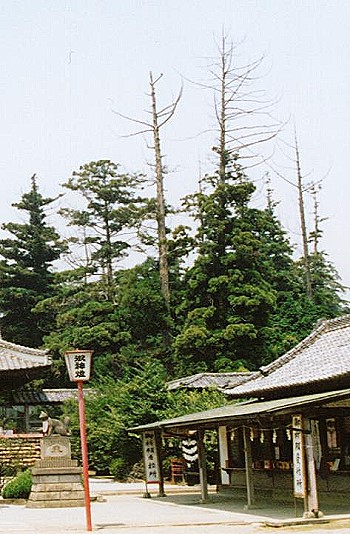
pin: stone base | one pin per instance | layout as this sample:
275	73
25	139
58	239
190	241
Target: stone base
57	483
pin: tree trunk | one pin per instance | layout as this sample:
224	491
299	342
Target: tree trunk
223	113
162	239
303	225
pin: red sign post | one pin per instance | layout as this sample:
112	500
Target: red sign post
79	367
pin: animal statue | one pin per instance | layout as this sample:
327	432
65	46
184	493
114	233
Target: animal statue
54	426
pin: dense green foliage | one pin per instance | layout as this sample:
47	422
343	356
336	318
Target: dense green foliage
138	397
232	287
121	333
26	275
18	488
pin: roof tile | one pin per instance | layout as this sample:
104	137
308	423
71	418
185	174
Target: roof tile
322	356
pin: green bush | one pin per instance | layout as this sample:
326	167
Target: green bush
118	469
19	487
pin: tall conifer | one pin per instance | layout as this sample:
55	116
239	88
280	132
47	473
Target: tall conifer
26	275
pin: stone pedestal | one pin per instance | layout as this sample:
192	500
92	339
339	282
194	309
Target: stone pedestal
56	477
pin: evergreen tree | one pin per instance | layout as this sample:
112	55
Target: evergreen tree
230	292
296	312
84	318
121	333
26	275
327	289
109	212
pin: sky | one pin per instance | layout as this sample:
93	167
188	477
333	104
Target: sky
67	66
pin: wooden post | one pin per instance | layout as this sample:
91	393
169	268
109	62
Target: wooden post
26	418
202	466
223	454
312	497
161	492
248	468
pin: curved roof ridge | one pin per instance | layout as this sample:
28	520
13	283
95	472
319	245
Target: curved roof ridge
22	348
185	379
208	379
322	326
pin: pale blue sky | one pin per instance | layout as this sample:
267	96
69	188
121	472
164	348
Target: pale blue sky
67	64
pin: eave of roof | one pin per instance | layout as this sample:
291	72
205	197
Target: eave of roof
17	357
46	396
243	410
15	378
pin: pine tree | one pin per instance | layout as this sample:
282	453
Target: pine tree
109	213
26	275
121	333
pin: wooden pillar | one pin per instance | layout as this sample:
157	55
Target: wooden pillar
248	468
161	492
202	462
223	454
312	497
26	418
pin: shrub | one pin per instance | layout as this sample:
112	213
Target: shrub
118	469
7	471
19	487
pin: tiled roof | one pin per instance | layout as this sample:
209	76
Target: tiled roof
316	363
248	410
16	357
46	396
206	380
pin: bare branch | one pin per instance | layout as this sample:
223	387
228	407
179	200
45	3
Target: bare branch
131	119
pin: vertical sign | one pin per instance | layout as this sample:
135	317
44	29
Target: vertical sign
150	457
299	473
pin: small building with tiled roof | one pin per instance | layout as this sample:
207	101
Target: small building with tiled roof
207	380
291	440
321	362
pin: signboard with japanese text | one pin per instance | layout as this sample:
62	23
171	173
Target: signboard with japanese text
150	457
299	468
78	365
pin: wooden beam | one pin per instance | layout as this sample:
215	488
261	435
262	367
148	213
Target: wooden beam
161	492
312	498
202	466
248	468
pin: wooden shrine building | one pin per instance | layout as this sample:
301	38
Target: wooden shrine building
290	440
